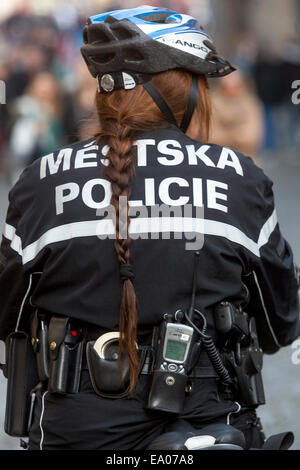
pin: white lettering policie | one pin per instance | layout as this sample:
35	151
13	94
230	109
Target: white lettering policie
171	153
176	182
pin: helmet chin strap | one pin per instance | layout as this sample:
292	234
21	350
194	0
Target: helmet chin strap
193	99
161	102
165	109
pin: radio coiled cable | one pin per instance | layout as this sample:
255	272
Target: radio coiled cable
211	349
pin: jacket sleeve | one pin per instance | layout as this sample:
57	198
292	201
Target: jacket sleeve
14	282
272	277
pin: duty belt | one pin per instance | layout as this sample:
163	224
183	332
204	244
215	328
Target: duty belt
50	345
203	369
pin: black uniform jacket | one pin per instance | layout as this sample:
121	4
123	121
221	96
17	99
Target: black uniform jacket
58	253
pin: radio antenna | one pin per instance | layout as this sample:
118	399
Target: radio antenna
192	306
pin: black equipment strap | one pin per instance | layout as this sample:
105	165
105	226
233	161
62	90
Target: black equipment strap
161	103
34	325
193	99
204	372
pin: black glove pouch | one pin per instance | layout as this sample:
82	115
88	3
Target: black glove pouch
107	381
22	377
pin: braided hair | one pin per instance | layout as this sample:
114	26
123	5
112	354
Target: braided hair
119	172
121	115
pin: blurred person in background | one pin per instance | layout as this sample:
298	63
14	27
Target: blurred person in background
83	100
35	105
267	81
274	74
41	122
286	114
3	117
246	50
237	116
31	43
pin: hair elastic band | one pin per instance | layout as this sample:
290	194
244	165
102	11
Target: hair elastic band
126	272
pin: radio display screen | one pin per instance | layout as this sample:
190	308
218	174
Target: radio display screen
175	351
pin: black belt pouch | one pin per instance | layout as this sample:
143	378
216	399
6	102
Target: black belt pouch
105	374
22	377
164	397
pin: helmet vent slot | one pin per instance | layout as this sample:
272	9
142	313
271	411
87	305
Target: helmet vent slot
99	37
132	55
103	58
122	33
156	18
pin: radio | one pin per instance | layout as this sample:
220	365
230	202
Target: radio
175	344
172	344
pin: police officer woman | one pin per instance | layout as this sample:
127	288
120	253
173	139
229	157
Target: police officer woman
99	245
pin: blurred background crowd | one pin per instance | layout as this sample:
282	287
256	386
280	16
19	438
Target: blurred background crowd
50	103
50	94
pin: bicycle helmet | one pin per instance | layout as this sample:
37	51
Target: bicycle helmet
124	48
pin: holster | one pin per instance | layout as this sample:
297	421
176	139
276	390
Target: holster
22	377
246	367
65	356
39	339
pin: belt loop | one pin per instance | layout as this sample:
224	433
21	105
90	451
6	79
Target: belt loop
146	360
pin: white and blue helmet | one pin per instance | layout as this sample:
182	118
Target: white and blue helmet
133	45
